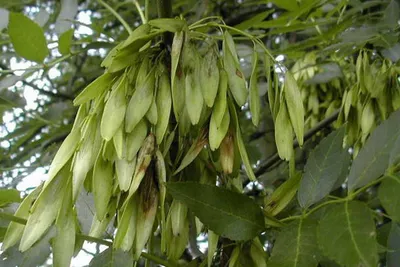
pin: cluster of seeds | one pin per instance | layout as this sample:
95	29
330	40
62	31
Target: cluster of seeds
156	112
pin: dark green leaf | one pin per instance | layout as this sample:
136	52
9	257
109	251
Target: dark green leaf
391	14
296	245
373	159
27	38
253	20
393	254
64	43
112	258
389	196
330	72
225	212
324	166
9	196
9	98
347	235
3	231
286	4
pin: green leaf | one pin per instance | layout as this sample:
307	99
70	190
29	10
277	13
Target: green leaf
393	245
168	24
373	159
296	245
94	89
347	235
64	42
225	212
112	258
253	20
9	196
27	38
324	166
290	5
388	194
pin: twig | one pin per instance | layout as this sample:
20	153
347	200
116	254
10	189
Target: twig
117	16
139	10
145	255
164	8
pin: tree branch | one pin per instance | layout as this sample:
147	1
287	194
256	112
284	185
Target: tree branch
10	217
164	8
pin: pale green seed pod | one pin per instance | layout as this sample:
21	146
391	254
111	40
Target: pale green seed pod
140	102
209	77
283	133
163	102
102	183
234	259
212	246
143	161
119	142
193	97
63	244
45	209
227	153
254	100
126	230
236	80
220	102
147	209
114	110
217	132
367	118
85	157
294	106
178	212
176	245
135	139
152	113
178	95
99	227
258	254
15	230
125	169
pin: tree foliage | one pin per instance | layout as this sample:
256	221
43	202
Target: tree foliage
269	127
